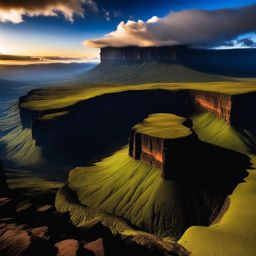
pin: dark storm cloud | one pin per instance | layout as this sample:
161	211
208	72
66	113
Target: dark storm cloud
227	44
247	42
14	10
190	27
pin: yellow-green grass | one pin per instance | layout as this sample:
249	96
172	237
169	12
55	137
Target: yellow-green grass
163	125
57	98
26	181
30	190
234	234
130	189
121	186
53	115
150	71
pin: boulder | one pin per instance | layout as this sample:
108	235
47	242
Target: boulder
14	242
97	247
41	232
67	247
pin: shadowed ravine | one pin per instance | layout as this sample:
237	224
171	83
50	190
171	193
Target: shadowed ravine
123	187
92	127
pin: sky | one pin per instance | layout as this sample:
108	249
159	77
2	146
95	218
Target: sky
66	30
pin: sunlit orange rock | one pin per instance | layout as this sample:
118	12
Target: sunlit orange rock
161	141
218	103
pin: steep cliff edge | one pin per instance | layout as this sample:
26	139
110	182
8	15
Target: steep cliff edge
158	140
235	109
218	103
52	114
168	54
135	65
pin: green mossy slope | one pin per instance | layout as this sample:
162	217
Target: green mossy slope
148	72
130	189
234	233
127	188
163	125
61	97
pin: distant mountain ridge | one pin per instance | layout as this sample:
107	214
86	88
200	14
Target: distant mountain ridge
43	72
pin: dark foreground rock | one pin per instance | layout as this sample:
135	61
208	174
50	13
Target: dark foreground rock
38	229
4	190
158	140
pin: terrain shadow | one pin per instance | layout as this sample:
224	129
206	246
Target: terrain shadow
208	166
202	178
198	178
95	126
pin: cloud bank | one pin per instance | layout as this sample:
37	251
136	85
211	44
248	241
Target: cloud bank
14	10
190	27
39	59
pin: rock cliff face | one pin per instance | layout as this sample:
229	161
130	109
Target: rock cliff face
159	141
112	111
218	103
169	143
237	110
240	62
171	54
116	113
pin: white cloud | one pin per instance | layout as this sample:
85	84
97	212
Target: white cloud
190	27
14	10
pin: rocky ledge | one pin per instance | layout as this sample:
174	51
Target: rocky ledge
52	125
159	139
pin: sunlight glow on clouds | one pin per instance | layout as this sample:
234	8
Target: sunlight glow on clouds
13	10
189	27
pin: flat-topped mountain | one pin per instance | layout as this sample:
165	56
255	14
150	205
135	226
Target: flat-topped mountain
234	62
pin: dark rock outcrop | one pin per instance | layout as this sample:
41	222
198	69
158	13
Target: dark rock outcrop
48	232
4	190
7	207
159	142
117	113
169	143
